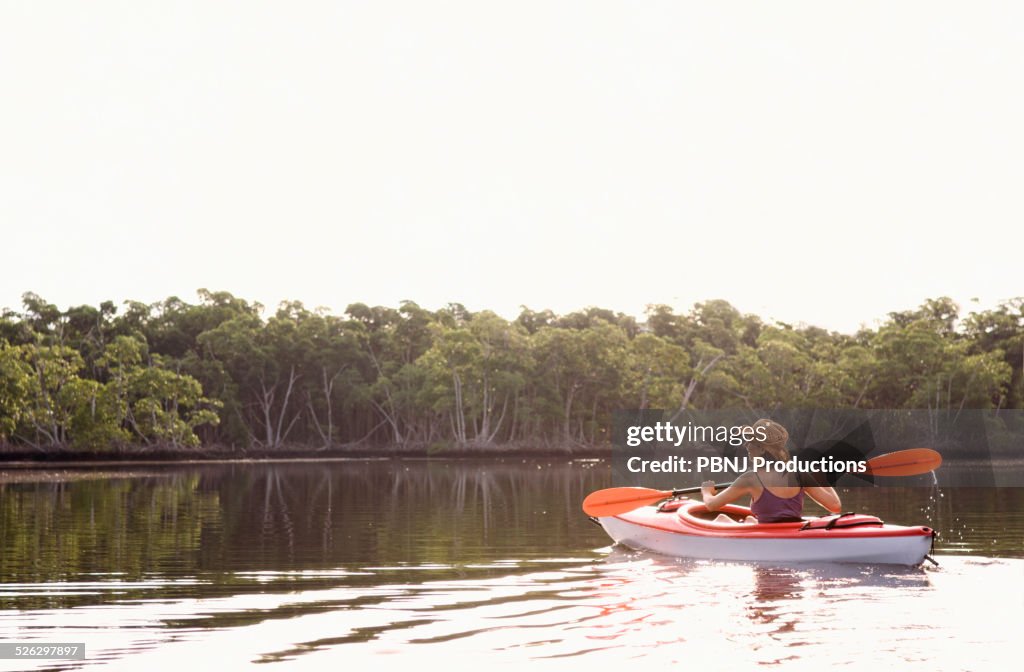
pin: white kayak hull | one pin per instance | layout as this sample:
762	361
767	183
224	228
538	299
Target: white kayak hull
683	534
894	551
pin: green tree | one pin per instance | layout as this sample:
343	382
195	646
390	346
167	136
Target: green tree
15	388
658	371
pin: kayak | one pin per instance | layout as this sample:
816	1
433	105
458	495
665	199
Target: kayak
685	528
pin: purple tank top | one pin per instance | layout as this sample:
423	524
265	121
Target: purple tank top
771	508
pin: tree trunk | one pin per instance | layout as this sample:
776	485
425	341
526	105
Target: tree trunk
567	431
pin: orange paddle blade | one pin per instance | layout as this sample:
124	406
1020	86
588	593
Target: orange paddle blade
908	462
613	501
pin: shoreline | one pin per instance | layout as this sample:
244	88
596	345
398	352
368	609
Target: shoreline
213	455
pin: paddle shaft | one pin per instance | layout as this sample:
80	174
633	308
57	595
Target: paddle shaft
696	488
613	501
900	463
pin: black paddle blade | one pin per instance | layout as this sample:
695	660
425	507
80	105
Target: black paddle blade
855	446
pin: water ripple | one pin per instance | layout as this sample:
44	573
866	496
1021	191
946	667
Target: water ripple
620	607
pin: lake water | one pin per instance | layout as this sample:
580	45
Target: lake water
466	563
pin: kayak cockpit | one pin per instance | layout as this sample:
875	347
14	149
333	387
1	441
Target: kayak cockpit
698	515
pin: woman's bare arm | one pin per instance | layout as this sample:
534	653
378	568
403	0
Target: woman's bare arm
716	501
826	497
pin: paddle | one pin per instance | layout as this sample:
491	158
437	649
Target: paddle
910	462
613	501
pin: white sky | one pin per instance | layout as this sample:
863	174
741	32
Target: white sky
807	161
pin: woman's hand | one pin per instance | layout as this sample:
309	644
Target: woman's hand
707	489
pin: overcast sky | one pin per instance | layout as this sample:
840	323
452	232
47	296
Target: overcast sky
810	161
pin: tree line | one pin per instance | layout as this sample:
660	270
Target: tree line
175	374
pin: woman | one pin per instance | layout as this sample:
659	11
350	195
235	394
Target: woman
776	497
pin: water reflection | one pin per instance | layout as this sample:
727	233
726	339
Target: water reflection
772	584
232	518
318	564
58	530
610	609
